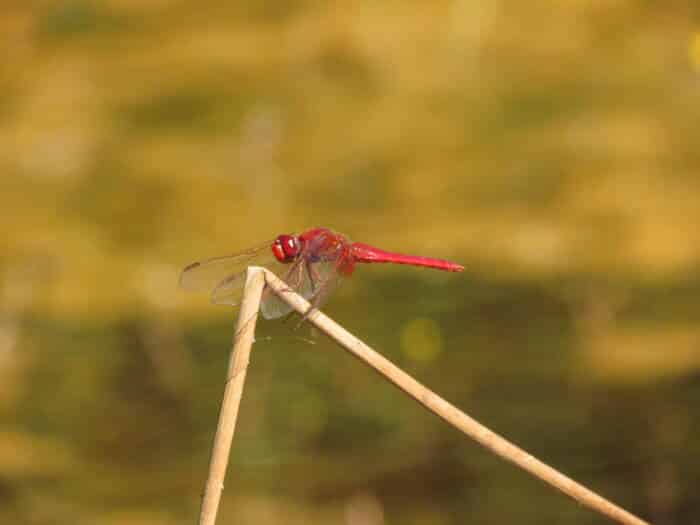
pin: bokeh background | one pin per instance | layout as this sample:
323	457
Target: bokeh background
551	147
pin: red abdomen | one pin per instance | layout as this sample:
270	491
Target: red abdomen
369	254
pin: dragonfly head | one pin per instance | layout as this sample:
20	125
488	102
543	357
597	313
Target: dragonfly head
286	248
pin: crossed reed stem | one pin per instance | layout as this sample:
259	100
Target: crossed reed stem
256	280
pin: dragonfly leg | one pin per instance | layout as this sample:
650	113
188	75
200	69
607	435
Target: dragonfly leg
313	276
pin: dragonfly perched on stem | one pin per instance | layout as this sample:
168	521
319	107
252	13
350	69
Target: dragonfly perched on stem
311	263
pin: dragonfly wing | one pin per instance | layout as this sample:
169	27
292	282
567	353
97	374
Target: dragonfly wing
325	277
272	306
205	274
229	290
222	274
313	281
329	260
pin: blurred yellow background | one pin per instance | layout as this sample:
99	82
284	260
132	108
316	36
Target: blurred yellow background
551	147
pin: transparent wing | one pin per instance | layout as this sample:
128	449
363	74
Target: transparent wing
272	306
330	261
327	276
229	290
224	275
314	281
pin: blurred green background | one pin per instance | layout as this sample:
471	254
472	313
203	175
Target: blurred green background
551	147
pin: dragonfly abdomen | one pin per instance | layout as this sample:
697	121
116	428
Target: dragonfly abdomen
369	254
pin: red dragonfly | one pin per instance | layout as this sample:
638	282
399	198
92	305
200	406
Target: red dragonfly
311	263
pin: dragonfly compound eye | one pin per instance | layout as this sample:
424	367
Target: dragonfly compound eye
285	248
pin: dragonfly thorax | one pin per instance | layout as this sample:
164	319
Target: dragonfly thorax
286	248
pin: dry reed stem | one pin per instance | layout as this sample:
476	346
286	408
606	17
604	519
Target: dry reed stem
448	412
238	365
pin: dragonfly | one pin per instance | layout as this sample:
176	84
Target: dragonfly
311	263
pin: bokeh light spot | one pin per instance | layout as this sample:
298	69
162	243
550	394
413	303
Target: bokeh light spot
421	339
